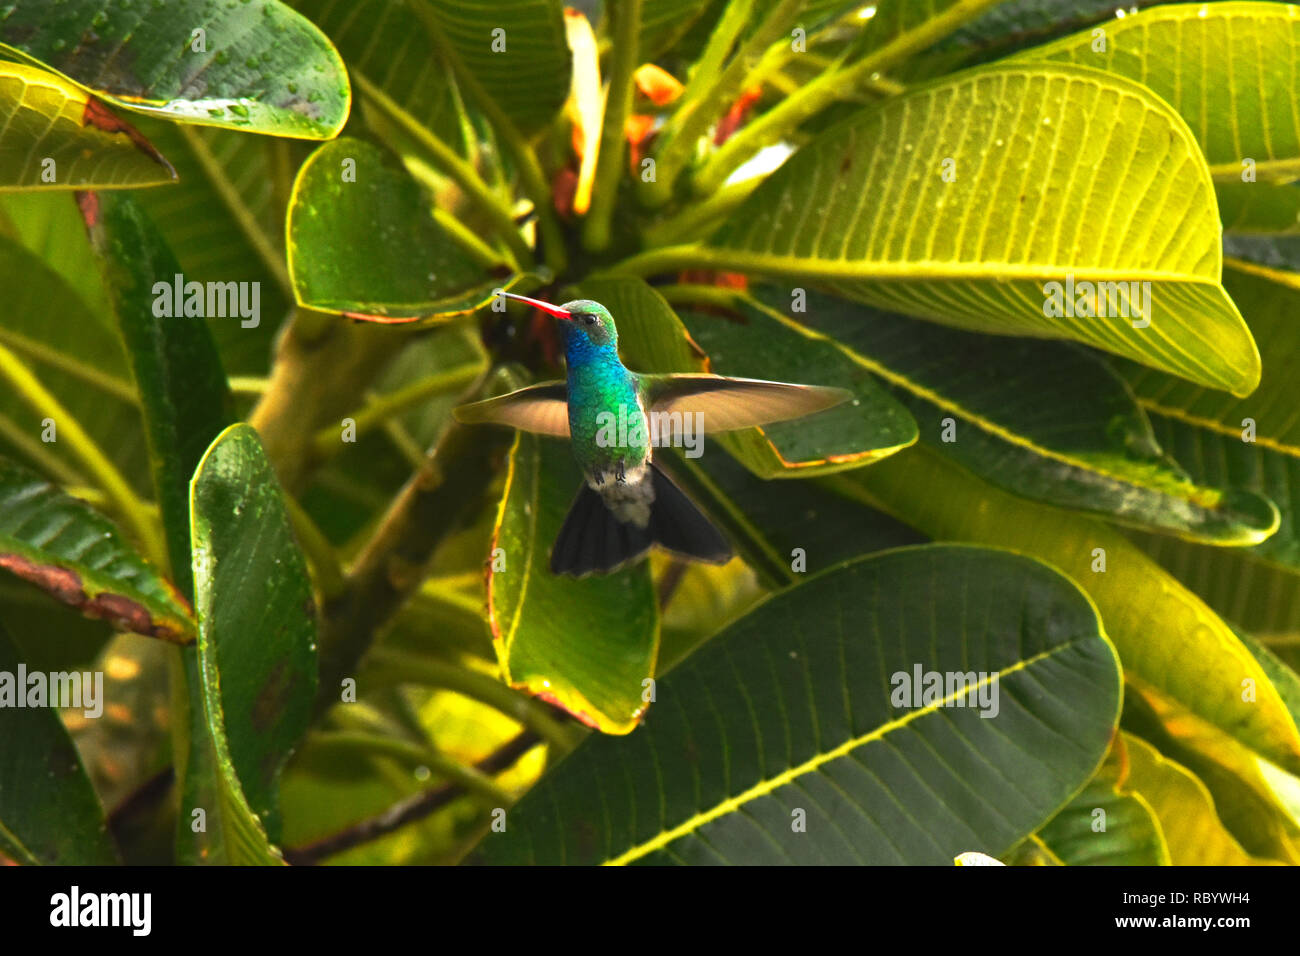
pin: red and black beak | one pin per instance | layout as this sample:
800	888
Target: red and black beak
546	307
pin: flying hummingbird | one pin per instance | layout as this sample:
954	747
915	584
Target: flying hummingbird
626	503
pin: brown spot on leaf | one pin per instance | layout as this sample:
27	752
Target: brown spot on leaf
579	715
271	698
65	586
88	203
98	115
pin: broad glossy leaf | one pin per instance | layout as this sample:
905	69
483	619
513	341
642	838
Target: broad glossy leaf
80	558
1046	420
1244	796
55	136
586	645
790	709
916	23
768	522
1259	208
865	211
385	43
256	66
515	49
369	247
79	360
1257	588
750	344
1103	826
49	812
1165	635
224	221
1196	57
50	225
1193	832
257	637
181	384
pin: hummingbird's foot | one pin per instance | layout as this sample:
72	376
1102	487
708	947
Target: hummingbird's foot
621	473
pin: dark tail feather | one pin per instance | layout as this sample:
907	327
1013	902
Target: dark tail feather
593	540
678	525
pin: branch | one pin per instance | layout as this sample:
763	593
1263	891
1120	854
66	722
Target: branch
409	810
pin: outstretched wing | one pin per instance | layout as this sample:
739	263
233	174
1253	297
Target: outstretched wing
543	409
725	403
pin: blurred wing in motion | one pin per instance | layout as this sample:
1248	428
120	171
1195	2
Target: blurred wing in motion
542	409
725	403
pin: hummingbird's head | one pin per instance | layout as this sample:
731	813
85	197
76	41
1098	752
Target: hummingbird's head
585	324
590	320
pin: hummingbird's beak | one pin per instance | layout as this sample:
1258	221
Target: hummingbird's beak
554	310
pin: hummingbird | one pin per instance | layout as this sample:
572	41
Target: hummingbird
610	415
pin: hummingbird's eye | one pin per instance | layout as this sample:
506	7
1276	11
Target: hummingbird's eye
589	319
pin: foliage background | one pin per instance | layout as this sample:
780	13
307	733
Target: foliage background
238	524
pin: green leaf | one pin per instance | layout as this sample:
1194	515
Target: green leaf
790	709
181	384
898	21
80	558
1194	833
79	360
865	211
1103	826
663	22
768	522
1235	776
49	812
224	220
257	66
1259	208
586	645
752	344
257	637
1197	58
370	248
1257	588
515	49
1045	420
49	224
54	136
1166	637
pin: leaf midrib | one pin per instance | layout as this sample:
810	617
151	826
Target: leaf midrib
764	787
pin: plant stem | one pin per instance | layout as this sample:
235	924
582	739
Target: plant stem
654	261
409	810
402	668
327	441
610	167
709	67
694	219
530	170
373	745
784	118
133	511
461	172
454	482
721	93
321	363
